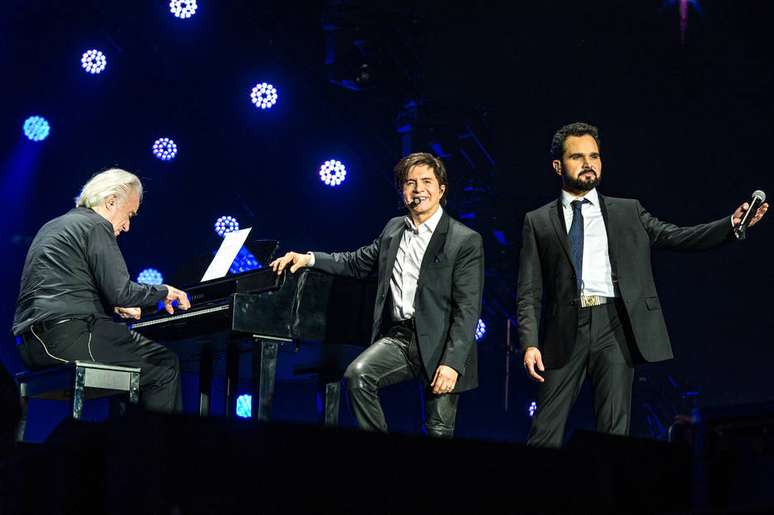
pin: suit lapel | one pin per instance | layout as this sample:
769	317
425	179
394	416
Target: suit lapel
607	206
437	241
392	242
560	228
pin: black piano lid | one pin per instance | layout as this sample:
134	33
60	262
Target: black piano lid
253	255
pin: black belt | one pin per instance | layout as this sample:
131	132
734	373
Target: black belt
47	325
406	324
590	301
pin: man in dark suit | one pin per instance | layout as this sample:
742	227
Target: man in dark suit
585	259
430	269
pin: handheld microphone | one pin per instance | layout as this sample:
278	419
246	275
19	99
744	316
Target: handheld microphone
416	201
740	230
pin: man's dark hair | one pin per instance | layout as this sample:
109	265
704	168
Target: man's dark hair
421	158
573	129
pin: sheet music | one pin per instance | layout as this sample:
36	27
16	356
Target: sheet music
228	250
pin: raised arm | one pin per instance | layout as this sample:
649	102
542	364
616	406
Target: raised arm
359	263
664	235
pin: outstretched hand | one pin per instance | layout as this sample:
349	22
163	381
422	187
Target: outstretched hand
741	210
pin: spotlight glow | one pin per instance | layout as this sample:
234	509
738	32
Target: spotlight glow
164	149
263	95
150	276
225	225
36	128
532	408
333	172
93	61
480	329
244	407
183	8
244	262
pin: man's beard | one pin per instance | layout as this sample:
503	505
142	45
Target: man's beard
579	184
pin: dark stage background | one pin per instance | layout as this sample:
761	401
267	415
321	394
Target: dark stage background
685	120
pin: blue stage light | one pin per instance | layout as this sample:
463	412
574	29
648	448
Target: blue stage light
93	61
244	406
150	276
333	172
36	128
244	262
480	329
532	408
225	225
164	149
264	95
183	8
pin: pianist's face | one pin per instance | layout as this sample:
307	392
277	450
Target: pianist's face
121	213
422	184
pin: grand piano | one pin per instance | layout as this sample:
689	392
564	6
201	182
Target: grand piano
304	323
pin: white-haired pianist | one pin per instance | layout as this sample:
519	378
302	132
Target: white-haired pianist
75	279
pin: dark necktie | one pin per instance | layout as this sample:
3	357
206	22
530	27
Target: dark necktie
576	240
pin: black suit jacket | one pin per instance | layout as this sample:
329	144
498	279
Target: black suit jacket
448	297
546	274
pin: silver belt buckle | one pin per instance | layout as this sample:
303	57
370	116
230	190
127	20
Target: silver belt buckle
588	301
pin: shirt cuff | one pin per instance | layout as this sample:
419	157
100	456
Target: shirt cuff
311	258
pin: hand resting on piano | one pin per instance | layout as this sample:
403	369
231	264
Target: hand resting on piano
297	260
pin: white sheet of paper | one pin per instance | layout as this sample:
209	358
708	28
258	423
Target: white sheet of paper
228	250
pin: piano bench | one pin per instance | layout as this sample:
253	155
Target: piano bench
76	381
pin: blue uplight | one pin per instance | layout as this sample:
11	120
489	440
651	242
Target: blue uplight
532	408
333	172
480	329
150	276
244	262
93	61
263	95
225	225
183	8
244	406
164	149
36	128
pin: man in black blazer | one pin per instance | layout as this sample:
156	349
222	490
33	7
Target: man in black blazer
585	266
430	269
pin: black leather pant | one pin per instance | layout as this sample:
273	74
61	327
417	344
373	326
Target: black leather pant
390	360
109	342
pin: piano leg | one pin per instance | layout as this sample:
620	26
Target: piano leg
264	375
205	382
232	378
332	403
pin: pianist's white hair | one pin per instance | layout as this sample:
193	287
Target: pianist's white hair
114	181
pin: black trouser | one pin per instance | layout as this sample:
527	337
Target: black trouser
391	360
601	351
108	342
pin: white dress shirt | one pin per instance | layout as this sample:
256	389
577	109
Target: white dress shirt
405	272
597	273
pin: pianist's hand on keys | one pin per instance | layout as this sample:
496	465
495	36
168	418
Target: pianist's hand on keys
173	294
298	260
128	312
